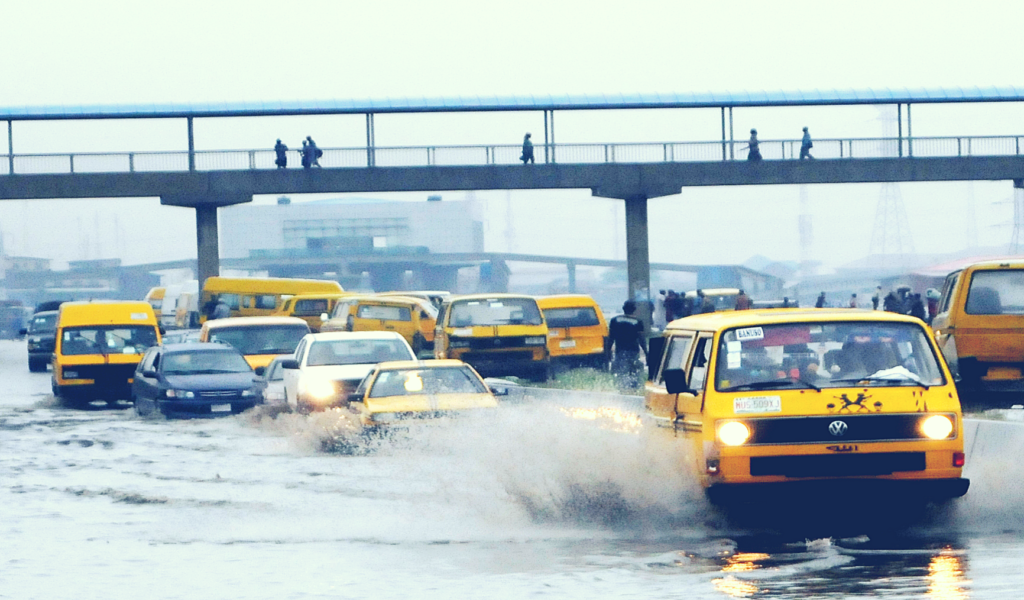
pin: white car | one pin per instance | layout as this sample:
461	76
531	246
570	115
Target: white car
328	367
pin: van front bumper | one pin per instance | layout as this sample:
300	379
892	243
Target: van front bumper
877	491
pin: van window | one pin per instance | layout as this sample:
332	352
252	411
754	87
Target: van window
947	292
386	313
676	354
826	355
996	293
699	369
112	339
583	316
310	308
496	311
231	300
266	302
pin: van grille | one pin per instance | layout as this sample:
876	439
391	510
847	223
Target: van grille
859	428
220	394
832	465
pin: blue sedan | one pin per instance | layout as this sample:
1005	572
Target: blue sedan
194	380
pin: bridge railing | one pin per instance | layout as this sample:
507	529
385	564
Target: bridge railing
420	156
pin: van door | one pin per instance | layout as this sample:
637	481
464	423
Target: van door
660	404
690	406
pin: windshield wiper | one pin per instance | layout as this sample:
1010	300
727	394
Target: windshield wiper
885	379
773	383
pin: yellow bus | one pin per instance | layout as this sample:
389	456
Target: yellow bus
155	298
258	296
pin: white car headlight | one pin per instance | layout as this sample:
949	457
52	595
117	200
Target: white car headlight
937	427
733	433
180	394
319	389
248	393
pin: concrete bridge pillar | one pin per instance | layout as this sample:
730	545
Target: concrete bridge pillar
638	260
386	277
571	268
207	233
440	278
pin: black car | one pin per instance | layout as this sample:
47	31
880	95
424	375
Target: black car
42	331
194	380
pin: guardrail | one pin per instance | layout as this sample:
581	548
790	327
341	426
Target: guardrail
421	156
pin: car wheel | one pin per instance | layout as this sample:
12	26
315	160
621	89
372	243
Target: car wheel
36	366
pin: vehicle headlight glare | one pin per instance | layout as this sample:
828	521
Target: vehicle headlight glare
733	433
248	393
180	394
320	389
535	341
937	427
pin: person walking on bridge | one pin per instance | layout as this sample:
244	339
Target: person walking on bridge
805	146
754	147
527	150
282	157
307	162
314	152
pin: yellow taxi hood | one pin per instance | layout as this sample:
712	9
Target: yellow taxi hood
427	402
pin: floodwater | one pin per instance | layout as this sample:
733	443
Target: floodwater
557	500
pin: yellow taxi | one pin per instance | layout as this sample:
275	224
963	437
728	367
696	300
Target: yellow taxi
98	346
577	330
412	318
765	402
499	334
419	389
980	326
259	339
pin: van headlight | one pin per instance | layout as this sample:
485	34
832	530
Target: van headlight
537	340
937	427
318	389
180	394
733	433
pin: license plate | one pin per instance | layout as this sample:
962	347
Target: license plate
220	408
567	344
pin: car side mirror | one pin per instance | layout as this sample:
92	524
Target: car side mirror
290	363
324	316
260	370
150	373
675	381
162	330
23	332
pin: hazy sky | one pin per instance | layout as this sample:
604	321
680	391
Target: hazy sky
73	52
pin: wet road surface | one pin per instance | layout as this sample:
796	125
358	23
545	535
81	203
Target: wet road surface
532	500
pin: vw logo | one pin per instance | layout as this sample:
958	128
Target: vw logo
837	428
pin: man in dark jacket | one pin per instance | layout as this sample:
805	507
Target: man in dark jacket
627	337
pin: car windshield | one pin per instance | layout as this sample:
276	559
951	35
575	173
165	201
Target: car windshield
112	339
356	352
205	362
418	382
996	293
495	311
583	316
43	324
261	339
826	355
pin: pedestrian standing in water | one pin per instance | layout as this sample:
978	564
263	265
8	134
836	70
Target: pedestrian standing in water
282	159
527	156
820	302
314	152
627	337
754	146
805	146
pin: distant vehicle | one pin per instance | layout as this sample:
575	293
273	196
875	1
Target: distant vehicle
155	298
42	332
12	319
800	403
436	297
169	306
498	334
259	296
259	339
194	380
577	330
98	346
181	336
327	367
311	308
723	298
980	328
413	390
414	318
270	385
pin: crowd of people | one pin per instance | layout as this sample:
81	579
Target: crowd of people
902	300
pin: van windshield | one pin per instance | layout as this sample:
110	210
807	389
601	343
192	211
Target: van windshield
583	316
996	293
495	311
112	339
826	355
261	339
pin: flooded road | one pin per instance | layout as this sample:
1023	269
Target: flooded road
532	500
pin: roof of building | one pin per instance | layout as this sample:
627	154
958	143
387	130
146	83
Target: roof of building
519	102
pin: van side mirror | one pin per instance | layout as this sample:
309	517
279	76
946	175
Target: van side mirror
150	373
162	330
290	363
324	316
260	371
675	381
